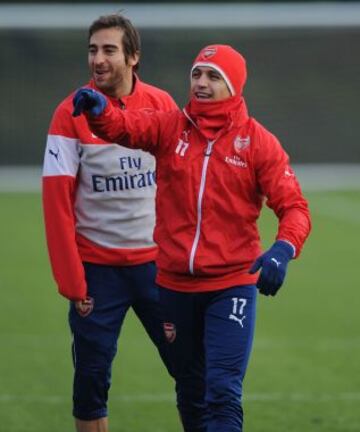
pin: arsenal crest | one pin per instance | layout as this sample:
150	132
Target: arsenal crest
169	331
209	52
241	143
85	307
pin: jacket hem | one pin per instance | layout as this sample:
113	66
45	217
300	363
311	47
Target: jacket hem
187	283
93	253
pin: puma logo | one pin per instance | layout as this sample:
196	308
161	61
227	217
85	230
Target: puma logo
56	155
276	262
239	320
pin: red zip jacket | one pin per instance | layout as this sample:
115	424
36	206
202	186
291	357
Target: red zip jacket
210	193
99	201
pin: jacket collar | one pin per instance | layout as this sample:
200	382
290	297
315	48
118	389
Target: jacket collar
215	118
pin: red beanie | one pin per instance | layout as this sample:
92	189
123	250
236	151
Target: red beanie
228	62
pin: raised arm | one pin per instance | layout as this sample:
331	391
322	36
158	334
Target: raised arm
134	129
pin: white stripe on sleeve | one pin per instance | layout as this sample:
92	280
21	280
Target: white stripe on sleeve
62	156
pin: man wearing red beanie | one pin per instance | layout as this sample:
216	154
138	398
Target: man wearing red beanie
229	63
215	167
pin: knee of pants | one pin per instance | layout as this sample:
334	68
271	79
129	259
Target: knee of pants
190	388
92	378
189	374
190	394
193	410
223	389
92	356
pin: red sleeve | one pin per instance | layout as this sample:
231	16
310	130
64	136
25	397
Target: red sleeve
169	103
278	183
58	188
139	129
65	261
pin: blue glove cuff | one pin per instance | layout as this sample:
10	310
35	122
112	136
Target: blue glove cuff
284	248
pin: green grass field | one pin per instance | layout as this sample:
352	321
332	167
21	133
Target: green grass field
304	374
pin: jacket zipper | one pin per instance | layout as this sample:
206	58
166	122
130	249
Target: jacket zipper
199	204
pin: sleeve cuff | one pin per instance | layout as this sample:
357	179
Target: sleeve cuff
290	244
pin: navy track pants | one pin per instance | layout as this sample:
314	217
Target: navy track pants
209	342
114	290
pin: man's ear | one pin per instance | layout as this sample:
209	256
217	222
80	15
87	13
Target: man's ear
134	59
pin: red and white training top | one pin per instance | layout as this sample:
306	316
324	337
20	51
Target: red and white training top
210	193
98	199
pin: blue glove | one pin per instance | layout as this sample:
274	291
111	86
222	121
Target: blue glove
87	99
274	264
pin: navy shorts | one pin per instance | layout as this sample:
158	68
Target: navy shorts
114	290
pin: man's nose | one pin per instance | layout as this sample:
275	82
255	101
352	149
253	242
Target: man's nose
202	81
99	58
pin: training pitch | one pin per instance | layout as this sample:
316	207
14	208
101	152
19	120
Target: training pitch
304	370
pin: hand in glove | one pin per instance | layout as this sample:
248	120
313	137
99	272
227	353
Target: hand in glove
273	264
90	100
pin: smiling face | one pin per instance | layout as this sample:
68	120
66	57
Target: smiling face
110	70
207	84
